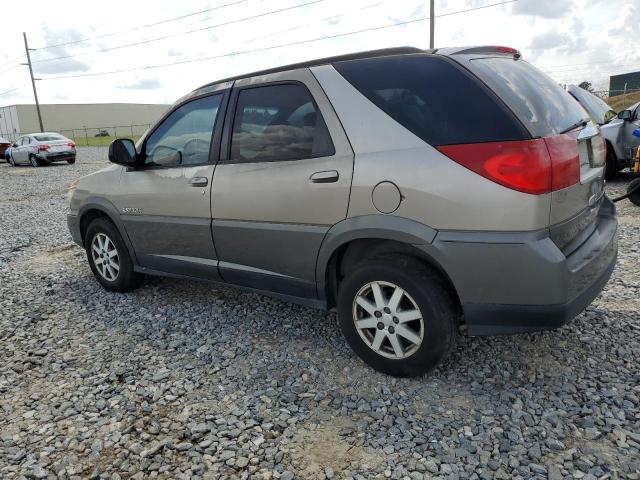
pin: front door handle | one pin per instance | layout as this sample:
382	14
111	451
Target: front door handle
199	182
328	176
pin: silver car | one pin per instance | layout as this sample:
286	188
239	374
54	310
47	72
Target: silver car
419	193
37	149
617	129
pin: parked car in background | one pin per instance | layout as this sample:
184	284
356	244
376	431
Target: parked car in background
4	145
37	149
366	182
102	133
617	129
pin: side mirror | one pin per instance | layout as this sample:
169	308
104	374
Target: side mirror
123	152
625	115
14	145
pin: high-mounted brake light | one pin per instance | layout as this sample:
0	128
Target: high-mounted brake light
537	166
509	50
43	147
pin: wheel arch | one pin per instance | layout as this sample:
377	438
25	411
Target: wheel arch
96	208
353	240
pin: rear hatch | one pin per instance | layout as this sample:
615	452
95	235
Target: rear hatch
575	146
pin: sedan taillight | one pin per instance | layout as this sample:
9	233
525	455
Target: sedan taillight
43	147
72	144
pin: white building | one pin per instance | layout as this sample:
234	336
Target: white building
80	120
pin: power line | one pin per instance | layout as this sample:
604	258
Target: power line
165	37
273	47
6	92
10	68
141	27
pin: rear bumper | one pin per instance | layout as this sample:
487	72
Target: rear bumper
58	156
525	283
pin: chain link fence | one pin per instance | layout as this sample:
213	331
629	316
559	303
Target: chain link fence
92	136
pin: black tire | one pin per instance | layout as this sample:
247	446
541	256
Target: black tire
430	294
126	279
633	189
71	161
611	168
34	160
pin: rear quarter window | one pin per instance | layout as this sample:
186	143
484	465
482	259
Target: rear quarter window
433	98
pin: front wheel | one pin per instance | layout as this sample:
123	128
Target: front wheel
109	258
12	161
611	168
397	315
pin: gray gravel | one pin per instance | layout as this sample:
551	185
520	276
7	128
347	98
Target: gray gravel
180	379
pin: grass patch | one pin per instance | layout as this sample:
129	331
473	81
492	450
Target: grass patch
620	102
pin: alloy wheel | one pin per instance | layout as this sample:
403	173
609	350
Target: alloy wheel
388	320
105	257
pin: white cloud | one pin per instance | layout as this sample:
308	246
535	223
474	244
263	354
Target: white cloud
543	8
143	84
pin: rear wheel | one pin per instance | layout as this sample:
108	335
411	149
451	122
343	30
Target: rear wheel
109	258
397	315
34	160
71	161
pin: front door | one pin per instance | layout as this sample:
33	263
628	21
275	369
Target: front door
282	181
630	142
165	203
20	153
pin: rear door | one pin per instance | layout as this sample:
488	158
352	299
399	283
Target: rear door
165	203
283	180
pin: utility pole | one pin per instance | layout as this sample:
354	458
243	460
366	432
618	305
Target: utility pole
432	23
33	82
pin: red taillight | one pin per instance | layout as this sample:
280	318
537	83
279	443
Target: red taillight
522	165
565	160
533	166
43	147
509	50
72	144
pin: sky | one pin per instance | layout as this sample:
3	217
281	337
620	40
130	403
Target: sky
571	40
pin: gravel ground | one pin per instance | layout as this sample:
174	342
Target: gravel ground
183	380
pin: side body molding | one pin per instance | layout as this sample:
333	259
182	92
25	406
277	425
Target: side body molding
383	227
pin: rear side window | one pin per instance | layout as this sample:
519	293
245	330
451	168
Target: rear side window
433	98
540	103
278	122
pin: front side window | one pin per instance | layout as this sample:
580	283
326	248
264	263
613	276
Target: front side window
184	137
278	122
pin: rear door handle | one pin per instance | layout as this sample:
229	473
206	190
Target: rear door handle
199	182
328	176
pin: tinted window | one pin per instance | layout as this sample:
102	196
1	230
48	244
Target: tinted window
185	135
432	98
540	103
278	122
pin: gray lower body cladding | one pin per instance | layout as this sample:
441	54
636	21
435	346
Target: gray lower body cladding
515	283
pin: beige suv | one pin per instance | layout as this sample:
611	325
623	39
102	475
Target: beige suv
414	191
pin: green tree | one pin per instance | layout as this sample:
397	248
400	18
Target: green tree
586	85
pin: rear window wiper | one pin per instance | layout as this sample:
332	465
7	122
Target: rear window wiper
581	123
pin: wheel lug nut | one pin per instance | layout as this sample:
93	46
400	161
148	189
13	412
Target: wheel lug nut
380	325
392	330
386	310
378	314
395	320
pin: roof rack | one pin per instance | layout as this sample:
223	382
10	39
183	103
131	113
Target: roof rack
384	52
